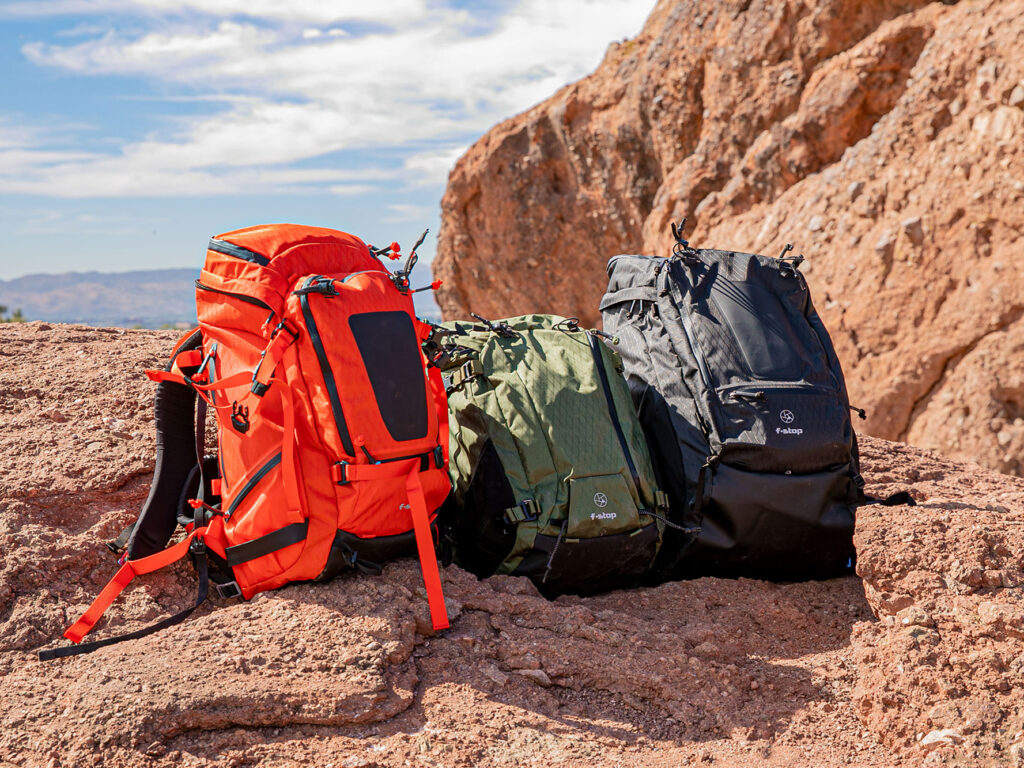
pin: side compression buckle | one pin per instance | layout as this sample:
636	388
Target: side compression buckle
525	511
338	473
456	380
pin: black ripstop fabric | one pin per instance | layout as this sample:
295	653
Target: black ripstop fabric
744	404
390	350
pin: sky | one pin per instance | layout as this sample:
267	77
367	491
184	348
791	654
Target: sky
133	130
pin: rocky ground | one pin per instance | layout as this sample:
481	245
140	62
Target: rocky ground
884	138
918	662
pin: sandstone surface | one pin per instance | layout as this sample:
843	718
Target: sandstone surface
884	138
919	661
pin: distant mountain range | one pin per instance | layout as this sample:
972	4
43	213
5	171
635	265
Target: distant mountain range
150	298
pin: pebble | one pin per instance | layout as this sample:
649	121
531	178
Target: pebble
913	229
915	616
944	737
854	190
538	676
1017	96
884	245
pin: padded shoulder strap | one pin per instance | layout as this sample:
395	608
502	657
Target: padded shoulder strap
175	458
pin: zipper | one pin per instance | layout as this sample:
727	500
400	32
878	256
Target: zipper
612	411
691	337
251	483
230	249
240	296
325	366
729	390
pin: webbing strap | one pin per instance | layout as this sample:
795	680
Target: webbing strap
441	403
343	472
289	474
525	511
271	356
633	293
264	545
128	571
425	548
170	621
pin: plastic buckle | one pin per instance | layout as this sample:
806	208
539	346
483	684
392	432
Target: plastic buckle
522	516
228	590
287	327
240	417
439	457
340	476
197	546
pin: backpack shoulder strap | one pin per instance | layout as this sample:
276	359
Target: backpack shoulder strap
175	417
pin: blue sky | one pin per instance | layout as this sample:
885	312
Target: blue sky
132	130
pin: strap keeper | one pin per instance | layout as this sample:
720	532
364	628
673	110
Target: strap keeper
338	473
661	500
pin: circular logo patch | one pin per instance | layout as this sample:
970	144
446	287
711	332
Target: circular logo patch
787	417
600	500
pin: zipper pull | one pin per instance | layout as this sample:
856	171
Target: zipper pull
859	411
603	335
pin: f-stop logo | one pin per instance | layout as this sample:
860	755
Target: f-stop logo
787	417
601	501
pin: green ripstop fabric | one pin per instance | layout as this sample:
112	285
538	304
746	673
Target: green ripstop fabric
532	435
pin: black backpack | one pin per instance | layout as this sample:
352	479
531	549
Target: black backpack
745	407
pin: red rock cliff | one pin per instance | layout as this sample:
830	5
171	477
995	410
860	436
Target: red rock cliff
884	138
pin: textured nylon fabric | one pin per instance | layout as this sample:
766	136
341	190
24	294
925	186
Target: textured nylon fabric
540	406
737	385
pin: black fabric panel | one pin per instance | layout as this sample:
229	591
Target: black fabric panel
589	566
390	351
174	414
775	527
766	338
481	535
190	490
264	545
376	550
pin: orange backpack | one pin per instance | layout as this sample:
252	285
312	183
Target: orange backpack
332	428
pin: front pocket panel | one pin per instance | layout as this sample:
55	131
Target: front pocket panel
599	506
782	428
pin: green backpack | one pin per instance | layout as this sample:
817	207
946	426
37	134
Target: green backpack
551	477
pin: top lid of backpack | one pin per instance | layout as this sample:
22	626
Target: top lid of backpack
264	261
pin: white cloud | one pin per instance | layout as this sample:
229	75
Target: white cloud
293	10
401	212
293	96
432	167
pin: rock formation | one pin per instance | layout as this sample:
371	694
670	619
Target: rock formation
919	663
885	138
